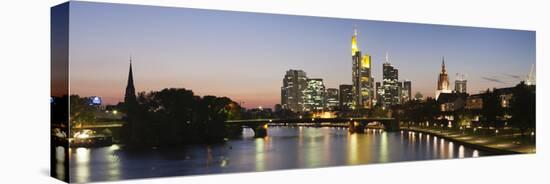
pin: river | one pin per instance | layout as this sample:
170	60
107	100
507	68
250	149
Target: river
283	148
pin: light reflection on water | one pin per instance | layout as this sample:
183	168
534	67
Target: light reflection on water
284	148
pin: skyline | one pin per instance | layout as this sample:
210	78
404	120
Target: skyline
165	41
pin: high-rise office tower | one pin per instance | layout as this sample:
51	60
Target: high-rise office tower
346	97
361	76
390	84
294	83
314	95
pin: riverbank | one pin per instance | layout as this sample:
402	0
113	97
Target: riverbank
504	144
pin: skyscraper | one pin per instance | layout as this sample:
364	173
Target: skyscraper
460	84
442	81
406	93
346	97
390	84
294	83
331	99
361	76
314	95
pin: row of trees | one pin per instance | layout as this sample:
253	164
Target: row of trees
176	116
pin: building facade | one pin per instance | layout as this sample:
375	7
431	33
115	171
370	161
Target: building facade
379	92
294	83
314	95
346	97
332	102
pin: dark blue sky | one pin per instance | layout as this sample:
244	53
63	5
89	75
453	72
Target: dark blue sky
245	55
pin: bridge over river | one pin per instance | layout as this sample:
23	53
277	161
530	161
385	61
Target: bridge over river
355	125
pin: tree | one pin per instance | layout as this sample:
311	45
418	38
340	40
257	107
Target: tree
80	110
491	109
176	116
429	110
418	96
523	107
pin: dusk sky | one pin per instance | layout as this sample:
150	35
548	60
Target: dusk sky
244	56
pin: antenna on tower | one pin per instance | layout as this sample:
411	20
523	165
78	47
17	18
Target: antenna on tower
387	57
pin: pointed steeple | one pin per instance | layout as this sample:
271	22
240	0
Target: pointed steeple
443	70
130	95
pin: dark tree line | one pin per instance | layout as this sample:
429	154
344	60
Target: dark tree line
523	107
176	116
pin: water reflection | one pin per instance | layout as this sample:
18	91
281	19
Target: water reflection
60	162
461	151
284	148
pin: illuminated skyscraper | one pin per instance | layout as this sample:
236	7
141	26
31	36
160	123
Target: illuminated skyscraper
442	81
390	84
294	83
314	95
346	97
361	76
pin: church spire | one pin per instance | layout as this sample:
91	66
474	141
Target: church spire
130	95
443	70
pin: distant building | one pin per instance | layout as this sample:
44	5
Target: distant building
460	84
442	81
449	102
361	76
406	94
314	95
294	83
346	97
474	102
331	99
505	96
